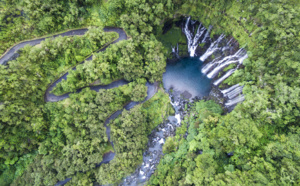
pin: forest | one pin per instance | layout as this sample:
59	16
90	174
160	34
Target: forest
41	143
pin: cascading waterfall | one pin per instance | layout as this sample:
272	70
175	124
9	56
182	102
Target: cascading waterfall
225	91
228	45
234	101
209	66
206	36
191	40
195	40
153	152
238	58
176	51
175	105
173	50
228	73
233	92
214	46
188	34
234	95
221	47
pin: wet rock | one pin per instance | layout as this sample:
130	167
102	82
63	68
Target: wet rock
230	154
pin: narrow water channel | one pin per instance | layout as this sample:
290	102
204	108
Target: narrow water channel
183	80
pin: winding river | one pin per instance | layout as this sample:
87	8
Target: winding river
12	54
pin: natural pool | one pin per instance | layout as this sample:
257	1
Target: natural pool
185	77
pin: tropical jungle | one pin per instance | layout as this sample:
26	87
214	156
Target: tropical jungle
149	92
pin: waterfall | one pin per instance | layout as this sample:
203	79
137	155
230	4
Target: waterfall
238	57
195	40
214	46
228	45
220	46
234	95
216	70
208	66
234	101
188	34
175	51
207	34
191	40
153	152
229	89
234	92
228	73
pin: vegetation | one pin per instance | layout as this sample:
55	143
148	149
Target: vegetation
42	143
130	135
258	142
23	123
126	59
76	139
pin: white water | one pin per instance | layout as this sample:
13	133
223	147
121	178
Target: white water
188	34
208	66
238	57
229	89
234	101
207	34
214	67
214	46
177	116
175	51
195	40
216	70
238	90
191	40
228	73
153	153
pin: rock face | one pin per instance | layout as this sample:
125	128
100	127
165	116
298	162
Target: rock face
222	57
218	53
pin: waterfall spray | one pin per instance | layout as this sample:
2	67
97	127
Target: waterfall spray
238	58
217	82
214	46
191	40
195	40
175	51
234	95
234	101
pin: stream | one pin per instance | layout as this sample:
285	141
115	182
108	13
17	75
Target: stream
186	79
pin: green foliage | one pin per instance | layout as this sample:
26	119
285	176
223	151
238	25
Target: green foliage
128	59
23	124
169	146
262	133
25	83
26	19
12	172
201	157
130	135
76	140
266	122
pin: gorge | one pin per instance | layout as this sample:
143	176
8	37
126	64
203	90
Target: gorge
149	92
220	54
188	77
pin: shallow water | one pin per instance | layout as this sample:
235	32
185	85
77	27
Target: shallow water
185	76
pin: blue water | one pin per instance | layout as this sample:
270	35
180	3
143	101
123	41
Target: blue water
185	77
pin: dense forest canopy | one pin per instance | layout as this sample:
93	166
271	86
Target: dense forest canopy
41	143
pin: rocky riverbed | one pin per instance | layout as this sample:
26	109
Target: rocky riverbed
157	138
